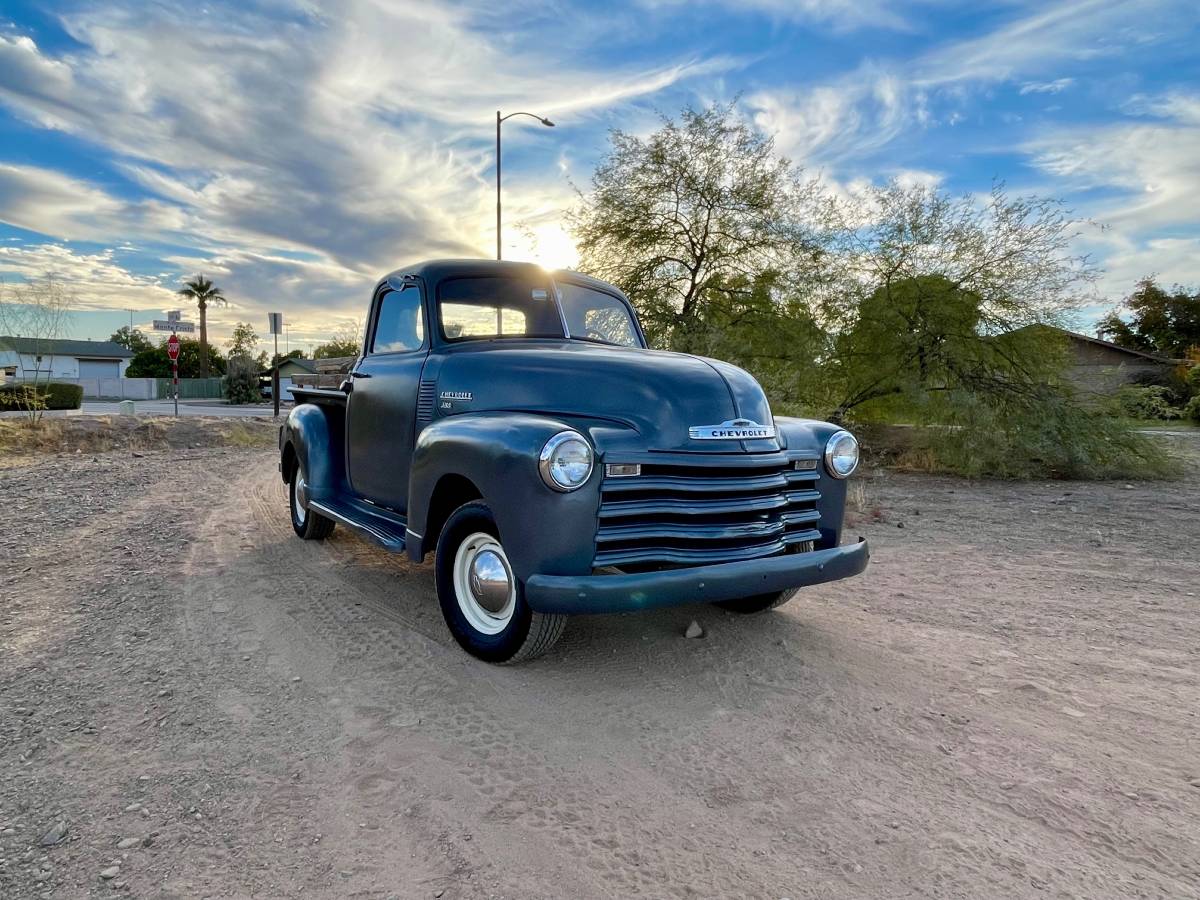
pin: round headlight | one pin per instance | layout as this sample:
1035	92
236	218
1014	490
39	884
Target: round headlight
841	454
566	461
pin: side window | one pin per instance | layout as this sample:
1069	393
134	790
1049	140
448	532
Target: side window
400	324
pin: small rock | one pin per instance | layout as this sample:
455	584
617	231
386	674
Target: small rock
1073	713
133	807
1132	795
128	843
297	678
54	834
148	841
110	873
694	630
439	892
1194	782
899	524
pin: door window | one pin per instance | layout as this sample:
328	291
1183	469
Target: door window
400	325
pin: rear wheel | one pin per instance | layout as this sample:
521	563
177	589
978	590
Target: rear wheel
758	603
482	601
311	526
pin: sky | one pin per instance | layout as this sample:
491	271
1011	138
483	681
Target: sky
294	151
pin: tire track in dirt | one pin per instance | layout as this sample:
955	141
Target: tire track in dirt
516	784
771	758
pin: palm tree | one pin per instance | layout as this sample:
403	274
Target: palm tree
203	292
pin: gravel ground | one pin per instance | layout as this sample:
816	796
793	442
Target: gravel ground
195	703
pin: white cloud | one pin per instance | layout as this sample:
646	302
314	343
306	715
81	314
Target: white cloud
305	132
51	203
98	280
855	114
1056	86
837	15
1149	169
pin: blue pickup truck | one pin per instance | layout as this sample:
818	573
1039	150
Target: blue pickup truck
513	422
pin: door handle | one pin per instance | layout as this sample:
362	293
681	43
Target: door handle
360	374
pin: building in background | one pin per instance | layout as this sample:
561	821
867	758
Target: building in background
79	362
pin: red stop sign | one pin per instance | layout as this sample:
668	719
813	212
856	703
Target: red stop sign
173	347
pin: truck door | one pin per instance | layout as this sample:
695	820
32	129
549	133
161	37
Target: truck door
381	411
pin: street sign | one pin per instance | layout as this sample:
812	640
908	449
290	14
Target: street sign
173	347
275	323
174	325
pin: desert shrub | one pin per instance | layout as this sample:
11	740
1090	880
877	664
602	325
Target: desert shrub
1192	410
50	395
241	380
1147	402
1047	437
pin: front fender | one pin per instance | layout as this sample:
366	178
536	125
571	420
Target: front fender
810	436
314	434
543	530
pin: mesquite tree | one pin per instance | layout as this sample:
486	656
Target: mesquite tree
689	220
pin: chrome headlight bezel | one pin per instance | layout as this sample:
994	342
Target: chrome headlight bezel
551	451
831	451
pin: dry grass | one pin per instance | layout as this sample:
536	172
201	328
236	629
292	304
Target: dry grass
98	434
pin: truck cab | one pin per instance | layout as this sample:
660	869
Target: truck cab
513	423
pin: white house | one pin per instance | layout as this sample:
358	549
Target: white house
90	363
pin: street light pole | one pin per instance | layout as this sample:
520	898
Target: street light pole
500	119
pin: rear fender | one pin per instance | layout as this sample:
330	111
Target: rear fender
314	436
543	530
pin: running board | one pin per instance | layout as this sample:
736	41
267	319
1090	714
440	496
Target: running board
384	528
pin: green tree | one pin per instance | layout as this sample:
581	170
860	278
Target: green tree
345	342
243	340
1160	321
154	362
280	357
928	294
691	219
203	292
131	339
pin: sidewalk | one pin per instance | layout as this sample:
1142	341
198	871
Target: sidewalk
186	408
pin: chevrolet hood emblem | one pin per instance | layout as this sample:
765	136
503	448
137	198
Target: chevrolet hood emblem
733	430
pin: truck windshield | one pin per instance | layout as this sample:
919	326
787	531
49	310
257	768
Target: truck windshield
490	307
593	315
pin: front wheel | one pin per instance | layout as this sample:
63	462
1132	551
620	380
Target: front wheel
758	603
482	601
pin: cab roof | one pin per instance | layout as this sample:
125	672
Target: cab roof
434	271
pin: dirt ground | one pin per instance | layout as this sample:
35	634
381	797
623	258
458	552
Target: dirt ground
195	703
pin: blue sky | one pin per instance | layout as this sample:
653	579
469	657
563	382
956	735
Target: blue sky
295	151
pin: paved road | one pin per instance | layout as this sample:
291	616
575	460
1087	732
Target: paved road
186	408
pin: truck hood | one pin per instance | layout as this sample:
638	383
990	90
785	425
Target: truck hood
657	394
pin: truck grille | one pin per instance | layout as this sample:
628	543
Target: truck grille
693	515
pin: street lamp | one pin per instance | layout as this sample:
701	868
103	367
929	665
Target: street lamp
499	120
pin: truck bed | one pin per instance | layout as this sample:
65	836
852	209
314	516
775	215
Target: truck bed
320	395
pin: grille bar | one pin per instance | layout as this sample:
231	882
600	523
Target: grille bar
706	511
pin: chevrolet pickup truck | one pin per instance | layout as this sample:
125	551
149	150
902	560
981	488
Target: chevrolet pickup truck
513	422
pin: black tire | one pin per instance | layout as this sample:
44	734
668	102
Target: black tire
758	603
527	635
311	526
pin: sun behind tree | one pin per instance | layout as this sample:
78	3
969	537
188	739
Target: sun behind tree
203	292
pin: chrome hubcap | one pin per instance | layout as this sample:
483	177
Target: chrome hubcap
483	583
300	499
